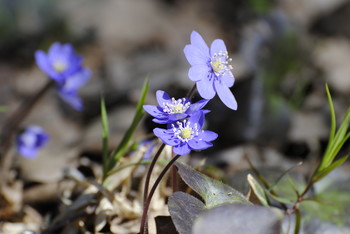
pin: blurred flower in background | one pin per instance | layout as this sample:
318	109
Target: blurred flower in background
63	66
31	140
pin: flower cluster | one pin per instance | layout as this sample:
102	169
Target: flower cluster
184	123
62	65
31	140
211	71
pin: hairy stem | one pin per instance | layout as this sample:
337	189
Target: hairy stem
149	172
143	228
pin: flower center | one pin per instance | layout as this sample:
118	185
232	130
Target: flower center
176	106
219	64
59	66
184	131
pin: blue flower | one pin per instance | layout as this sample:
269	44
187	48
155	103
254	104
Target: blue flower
62	65
60	62
187	135
210	69
31	140
171	110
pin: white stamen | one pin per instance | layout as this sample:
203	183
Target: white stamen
184	131
176	106
220	64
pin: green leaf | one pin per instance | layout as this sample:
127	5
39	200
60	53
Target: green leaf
184	209
319	175
333	119
105	137
213	192
124	144
258	190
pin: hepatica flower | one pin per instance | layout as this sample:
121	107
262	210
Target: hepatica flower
210	69
31	140
171	110
62	65
187	135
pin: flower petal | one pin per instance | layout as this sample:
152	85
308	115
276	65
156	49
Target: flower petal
72	99
199	72
182	149
177	116
207	135
74	82
197	106
225	95
197	41
198	144
205	88
155	111
166	136
228	80
217	46
195	56
162	97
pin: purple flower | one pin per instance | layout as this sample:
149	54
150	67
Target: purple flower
210	69
187	135
60	62
171	110
31	140
62	65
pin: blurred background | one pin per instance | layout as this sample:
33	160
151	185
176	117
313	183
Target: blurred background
283	51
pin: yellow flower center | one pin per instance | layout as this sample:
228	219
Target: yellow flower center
186	133
59	66
176	106
217	66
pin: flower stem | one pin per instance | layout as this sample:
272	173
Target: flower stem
153	189
191	92
149	172
11	126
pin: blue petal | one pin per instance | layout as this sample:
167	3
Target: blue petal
199	72
197	106
195	56
44	64
225	95
197	118
207	135
227	80
166	136
182	149
72	99
162	97
217	46
205	88
155	111
197	41
74	82
177	116
162	120
198	144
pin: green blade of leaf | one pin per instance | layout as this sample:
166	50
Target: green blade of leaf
124	144
319	175
258	190
105	137
333	119
336	143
